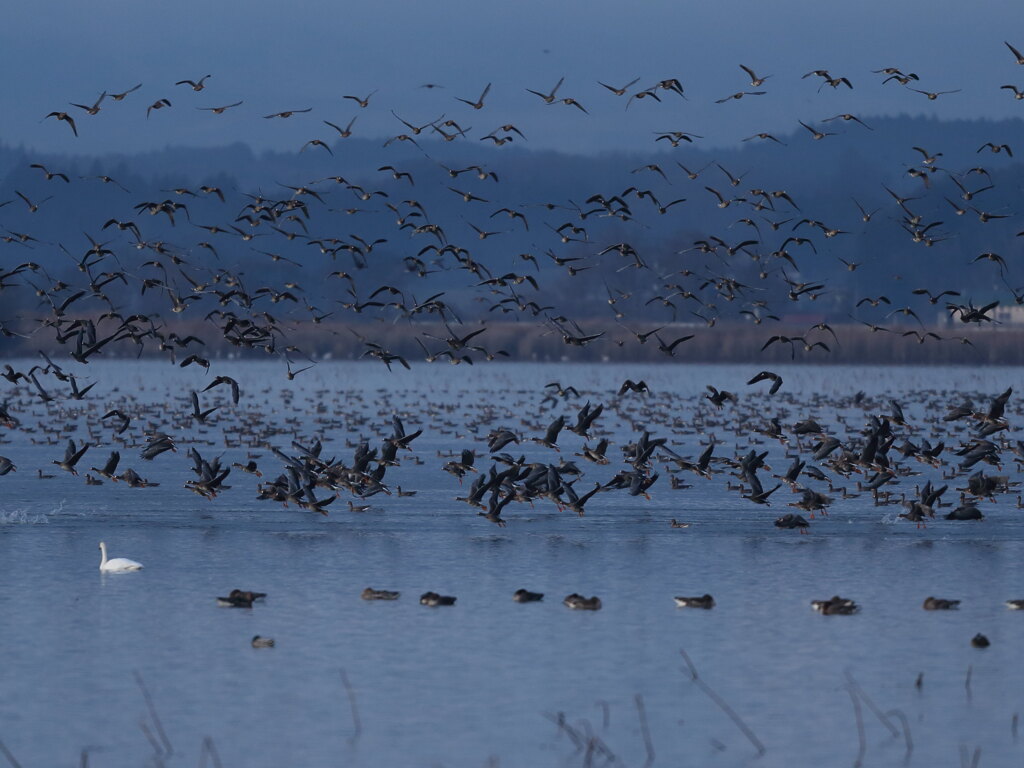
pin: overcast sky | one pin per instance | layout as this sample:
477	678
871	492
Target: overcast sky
278	56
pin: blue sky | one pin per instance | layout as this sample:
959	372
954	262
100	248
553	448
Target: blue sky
276	56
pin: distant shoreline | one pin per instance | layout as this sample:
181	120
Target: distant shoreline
530	342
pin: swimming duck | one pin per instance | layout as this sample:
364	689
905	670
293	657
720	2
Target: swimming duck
1015	605
262	642
835	606
240	599
433	599
380	594
706	602
938	604
526	596
965	512
581	603
675	524
980	641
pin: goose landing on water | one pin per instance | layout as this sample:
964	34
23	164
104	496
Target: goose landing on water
118	564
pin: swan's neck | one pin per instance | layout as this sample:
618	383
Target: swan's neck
103	554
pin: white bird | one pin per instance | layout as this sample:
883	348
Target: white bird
118	564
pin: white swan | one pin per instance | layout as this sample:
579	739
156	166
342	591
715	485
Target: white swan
118	564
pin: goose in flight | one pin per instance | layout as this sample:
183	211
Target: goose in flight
219	110
94	108
768	376
288	113
117	564
66	118
620	91
343	132
846	117
798	521
933	95
739	95
196	85
120	96
766	136
995	148
479	103
72	455
549	98
363	103
50	175
815	133
158	104
755	81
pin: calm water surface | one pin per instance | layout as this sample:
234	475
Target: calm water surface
464	685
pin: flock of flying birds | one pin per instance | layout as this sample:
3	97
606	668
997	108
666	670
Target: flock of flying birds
193	302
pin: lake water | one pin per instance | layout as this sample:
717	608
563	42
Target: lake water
482	682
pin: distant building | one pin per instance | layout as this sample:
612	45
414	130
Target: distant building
1012	314
803	318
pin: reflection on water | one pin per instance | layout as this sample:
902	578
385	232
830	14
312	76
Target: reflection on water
456	686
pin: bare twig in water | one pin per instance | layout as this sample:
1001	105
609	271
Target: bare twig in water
967	681
906	732
583	737
855	686
606	714
594	746
10	758
588	757
209	748
722	705
604	749
564	727
1014	722
157	749
861	741
356	723
920	681
645	730
153	715
967	760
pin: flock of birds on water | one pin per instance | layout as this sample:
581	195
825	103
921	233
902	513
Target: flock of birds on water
511	456
81	317
833	606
